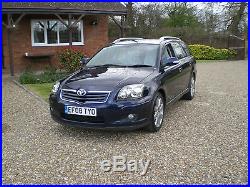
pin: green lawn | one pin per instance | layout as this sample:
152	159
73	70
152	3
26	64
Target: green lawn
43	90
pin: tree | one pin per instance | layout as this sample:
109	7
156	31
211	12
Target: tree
211	19
236	13
130	19
205	23
148	19
181	15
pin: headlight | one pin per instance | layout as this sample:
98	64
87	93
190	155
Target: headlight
133	91
55	87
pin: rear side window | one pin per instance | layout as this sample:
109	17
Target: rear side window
185	48
179	51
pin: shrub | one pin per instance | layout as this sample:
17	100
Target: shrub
28	78
48	76
203	52
70	58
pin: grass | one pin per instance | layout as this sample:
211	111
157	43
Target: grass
43	90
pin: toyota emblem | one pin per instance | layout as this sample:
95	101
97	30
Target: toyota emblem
81	92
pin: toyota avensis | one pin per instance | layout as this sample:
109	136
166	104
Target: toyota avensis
126	85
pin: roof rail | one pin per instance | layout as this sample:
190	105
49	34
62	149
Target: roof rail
168	38
127	39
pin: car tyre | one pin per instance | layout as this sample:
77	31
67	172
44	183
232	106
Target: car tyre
191	90
158	114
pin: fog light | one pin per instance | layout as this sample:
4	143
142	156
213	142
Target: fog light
131	116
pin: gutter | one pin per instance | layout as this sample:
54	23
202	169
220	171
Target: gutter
60	10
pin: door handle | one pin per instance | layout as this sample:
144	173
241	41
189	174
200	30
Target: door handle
180	69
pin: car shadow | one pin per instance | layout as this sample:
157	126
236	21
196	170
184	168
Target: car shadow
69	131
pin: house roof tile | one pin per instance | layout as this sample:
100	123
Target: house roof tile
69	6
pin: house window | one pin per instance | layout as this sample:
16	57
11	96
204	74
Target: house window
54	33
63	33
38	32
76	32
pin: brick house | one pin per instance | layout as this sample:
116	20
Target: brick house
34	32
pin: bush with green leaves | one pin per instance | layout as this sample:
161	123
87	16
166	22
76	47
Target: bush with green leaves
69	59
48	76
204	52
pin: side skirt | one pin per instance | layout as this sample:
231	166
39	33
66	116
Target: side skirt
176	98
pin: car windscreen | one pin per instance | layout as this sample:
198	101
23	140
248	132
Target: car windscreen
126	55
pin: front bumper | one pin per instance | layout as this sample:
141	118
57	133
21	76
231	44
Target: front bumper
109	115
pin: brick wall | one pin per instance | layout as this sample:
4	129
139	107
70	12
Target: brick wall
95	37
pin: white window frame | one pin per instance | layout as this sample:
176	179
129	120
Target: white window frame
45	34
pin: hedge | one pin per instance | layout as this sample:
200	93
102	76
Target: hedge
49	76
204	52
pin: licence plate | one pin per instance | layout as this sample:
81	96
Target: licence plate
82	111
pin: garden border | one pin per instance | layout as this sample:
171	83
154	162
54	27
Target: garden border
31	93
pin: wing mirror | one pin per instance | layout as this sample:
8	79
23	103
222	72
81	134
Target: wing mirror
84	61
169	61
173	60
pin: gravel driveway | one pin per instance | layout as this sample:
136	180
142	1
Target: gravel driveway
202	141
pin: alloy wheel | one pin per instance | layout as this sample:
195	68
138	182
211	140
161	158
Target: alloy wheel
192	87
158	112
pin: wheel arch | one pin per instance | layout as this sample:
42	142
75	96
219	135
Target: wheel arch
194	74
162	92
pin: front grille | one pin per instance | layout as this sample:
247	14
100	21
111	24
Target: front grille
88	119
91	96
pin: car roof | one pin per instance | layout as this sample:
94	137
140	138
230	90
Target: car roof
164	39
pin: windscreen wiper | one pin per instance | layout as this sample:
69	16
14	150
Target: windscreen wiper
140	65
107	65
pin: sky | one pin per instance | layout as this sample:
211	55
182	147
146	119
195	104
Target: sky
200	5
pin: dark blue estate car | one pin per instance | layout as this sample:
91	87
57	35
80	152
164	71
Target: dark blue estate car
126	85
